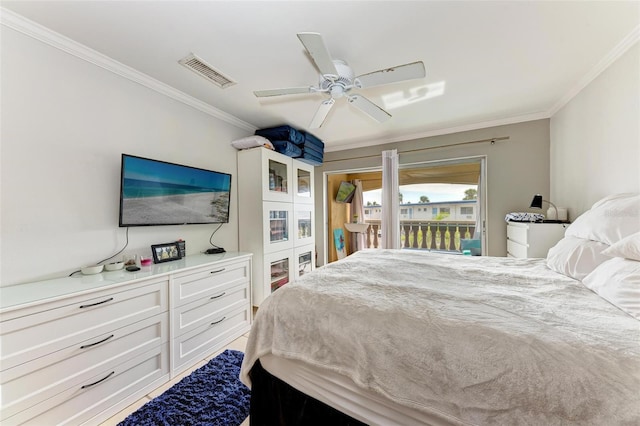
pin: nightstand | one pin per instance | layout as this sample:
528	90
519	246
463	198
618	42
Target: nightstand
529	239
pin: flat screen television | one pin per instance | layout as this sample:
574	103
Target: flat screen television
154	192
346	190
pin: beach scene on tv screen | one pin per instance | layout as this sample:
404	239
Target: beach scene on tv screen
163	193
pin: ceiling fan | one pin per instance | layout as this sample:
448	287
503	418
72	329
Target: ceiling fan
337	79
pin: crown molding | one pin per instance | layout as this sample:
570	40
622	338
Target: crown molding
344	145
25	26
624	45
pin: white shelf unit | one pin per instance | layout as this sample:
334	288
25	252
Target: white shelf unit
532	239
276	217
79	349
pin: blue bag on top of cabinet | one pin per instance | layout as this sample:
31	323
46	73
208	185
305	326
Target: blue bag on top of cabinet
312	149
282	133
287	148
309	158
311	140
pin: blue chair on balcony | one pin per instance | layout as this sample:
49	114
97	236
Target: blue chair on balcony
473	245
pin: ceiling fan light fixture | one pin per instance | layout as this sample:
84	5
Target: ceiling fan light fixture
337	79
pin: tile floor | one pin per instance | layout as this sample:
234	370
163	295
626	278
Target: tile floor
239	344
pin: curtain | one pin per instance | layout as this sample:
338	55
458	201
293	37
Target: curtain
390	200
477	233
357	208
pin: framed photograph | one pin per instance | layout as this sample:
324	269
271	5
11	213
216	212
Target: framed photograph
165	252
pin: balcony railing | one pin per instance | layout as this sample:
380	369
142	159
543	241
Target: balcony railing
424	235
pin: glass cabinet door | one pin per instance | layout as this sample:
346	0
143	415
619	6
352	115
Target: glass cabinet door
276	169
278	270
279	273
303	182
303	224
304	258
277	226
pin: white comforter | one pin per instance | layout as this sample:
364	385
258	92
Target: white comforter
477	340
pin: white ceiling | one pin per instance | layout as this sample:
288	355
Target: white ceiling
500	61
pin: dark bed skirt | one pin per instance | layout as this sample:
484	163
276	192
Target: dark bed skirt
273	402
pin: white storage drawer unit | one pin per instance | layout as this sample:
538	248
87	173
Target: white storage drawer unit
79	349
211	304
529	239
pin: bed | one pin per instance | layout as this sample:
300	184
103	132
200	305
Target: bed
411	337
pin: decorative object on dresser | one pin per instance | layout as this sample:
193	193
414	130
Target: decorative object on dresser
165	252
79	349
276	216
555	216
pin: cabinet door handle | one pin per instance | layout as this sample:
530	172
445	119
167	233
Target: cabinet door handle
218	296
99	381
96	343
219	321
97	303
219	270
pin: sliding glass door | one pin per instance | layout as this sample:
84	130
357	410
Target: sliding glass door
440	206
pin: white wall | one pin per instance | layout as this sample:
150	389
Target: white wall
595	138
65	123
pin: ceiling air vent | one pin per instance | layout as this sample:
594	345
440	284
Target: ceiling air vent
205	70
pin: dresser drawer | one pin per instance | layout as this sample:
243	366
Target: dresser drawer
209	309
204	282
201	341
75	320
516	249
518	233
104	389
30	383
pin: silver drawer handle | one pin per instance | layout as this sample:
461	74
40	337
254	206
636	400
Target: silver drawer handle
219	296
219	270
96	343
219	321
98	303
99	381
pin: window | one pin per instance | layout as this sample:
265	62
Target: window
403	211
434	211
466	210
445	210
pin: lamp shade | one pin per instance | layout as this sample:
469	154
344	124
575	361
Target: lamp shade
536	203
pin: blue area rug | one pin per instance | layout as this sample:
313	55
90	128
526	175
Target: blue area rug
211	395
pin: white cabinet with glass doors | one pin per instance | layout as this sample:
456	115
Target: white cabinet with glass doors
276	217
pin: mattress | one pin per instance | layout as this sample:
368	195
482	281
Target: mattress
466	339
339	392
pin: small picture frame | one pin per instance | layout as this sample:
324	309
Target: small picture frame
165	252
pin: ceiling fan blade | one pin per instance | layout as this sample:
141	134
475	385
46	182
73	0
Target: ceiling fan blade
278	92
322	113
393	75
369	108
315	46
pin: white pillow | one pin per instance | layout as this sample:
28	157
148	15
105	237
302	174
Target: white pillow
609	220
251	142
627	247
576	257
618	281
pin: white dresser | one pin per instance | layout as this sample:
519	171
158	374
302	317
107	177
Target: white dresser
79	349
528	239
